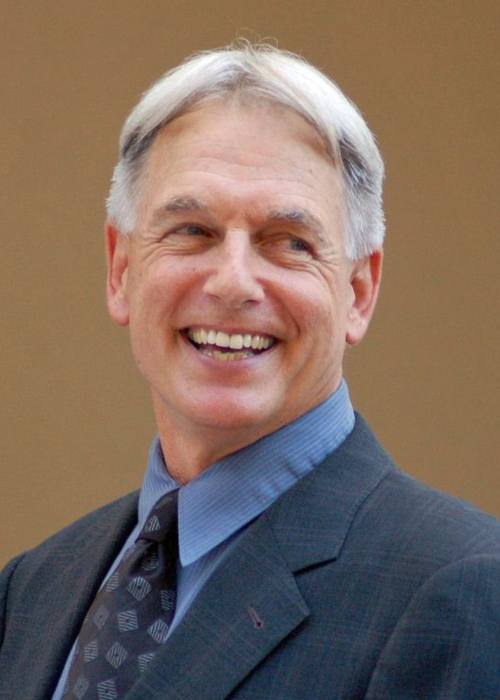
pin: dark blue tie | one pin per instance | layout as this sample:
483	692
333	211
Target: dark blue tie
131	615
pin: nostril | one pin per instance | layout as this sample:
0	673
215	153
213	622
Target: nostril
234	290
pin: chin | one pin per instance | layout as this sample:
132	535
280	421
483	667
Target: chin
231	416
229	411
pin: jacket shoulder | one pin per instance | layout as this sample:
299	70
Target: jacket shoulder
122	510
417	519
110	523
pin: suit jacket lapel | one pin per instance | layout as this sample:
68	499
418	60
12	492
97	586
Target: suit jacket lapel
252	602
311	521
80	571
248	606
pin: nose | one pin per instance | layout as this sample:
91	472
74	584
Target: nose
233	278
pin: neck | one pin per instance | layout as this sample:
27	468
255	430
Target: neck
190	449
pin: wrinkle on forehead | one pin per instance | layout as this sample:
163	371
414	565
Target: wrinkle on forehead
205	117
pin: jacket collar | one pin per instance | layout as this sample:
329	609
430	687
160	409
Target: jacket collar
312	520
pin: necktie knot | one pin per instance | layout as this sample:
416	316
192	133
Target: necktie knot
162	519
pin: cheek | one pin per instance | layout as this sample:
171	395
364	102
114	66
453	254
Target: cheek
155	291
317	308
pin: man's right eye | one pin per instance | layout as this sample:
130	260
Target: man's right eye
188	238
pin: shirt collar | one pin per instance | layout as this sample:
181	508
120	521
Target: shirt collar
232	492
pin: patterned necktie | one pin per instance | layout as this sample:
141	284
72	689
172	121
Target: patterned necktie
130	617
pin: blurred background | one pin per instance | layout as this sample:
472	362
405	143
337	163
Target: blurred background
75	414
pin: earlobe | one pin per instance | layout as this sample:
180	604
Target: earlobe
116	284
365	284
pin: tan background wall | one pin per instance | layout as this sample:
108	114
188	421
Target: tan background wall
75	416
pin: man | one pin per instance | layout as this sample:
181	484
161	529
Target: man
244	243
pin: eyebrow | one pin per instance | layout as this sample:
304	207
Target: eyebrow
296	216
178	204
300	217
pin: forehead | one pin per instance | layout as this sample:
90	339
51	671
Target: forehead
241	149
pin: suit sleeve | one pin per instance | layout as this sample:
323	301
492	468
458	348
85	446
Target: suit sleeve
447	643
5	577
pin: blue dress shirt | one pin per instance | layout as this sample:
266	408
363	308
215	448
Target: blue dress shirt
215	507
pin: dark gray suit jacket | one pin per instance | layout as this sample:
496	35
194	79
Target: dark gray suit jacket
357	583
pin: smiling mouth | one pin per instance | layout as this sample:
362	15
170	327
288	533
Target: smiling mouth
229	346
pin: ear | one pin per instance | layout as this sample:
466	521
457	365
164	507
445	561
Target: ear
365	283
117	249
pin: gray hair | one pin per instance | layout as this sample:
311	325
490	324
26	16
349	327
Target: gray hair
277	76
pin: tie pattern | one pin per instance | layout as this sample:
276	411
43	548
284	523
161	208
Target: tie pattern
131	615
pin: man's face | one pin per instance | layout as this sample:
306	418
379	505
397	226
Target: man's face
235	283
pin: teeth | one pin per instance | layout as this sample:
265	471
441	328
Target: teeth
222	339
228	356
235	341
225	356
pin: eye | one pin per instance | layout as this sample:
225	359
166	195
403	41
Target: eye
191	230
186	238
299	245
286	248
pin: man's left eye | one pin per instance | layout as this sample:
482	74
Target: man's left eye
299	245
